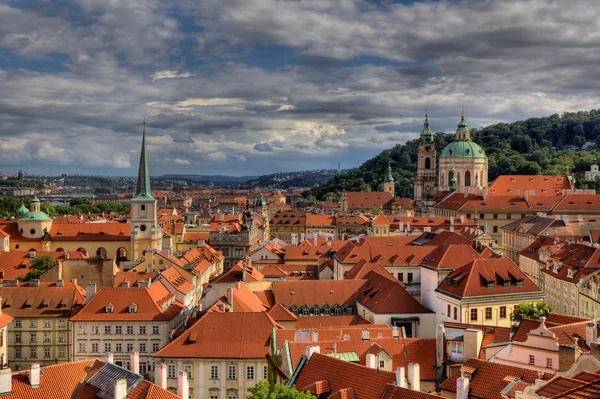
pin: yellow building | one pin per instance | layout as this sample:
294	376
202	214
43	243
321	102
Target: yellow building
40	332
223	354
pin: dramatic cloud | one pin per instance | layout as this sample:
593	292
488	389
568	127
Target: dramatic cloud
232	88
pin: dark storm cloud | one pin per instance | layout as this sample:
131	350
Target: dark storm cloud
263	147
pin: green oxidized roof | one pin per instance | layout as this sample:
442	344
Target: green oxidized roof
260	202
143	191
426	134
463	149
37	216
389	178
22	210
35	199
462	125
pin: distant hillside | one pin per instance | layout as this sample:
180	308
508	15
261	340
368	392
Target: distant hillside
307	178
548	145
211	178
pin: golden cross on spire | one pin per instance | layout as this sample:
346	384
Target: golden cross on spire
462	115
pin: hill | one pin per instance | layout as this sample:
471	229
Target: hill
307	178
548	145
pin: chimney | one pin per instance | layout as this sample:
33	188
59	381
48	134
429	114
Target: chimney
462	386
414	376
125	284
315	240
5	381
526	194
200	243
301	237
309	350
462	218
222	217
591	333
371	361
315	335
161	375
472	340
183	384
485	193
109	358
230	295
294	239
74	281
400	377
134	362
451	220
90	291
34	375
148	282
565	219
244	266
121	389
366	334
395	332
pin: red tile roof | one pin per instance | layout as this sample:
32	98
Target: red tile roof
584	385
15	264
366	383
333	321
365	201
45	300
320	292
174	275
541	184
280	313
236	335
395	392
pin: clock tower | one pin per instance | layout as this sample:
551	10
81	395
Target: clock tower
426	179
145	231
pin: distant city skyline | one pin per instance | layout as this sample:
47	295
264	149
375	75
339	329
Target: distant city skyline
244	88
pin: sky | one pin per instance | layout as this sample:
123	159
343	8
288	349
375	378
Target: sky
251	87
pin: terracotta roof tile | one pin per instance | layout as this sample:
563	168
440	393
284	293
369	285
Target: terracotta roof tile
395	392
47	300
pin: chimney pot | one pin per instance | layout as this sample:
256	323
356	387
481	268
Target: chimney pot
161	375
183	389
400	377
134	361
121	389
414	377
34	375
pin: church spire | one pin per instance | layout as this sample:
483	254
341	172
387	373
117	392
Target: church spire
143	190
389	178
426	135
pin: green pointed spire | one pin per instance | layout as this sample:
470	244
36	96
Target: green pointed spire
426	135
143	190
388	177
22	210
462	125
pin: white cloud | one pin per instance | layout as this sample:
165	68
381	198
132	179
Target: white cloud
170	75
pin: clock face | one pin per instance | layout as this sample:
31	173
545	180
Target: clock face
143	227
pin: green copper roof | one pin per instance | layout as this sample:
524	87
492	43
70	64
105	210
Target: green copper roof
426	134
260	202
143	191
389	178
463	149
462	125
35	199
37	216
22	210
347	356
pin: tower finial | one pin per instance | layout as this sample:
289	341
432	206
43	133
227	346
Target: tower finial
462	114
143	189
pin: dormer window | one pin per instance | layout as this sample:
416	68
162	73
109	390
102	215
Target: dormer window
110	308
133	308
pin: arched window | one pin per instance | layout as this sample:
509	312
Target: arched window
82	250
467	178
101	253
458	178
442	179
60	250
427	163
121	254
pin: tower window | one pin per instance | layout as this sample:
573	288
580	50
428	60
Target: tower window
467	178
428	163
143	207
32	231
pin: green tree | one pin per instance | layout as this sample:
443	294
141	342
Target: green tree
579	141
39	265
532	310
265	390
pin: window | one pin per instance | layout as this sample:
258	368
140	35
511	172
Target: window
17	353
488	313
46	323
143	367
410	277
129	347
316	311
265	372
337	310
381	364
101	252
33	324
457	347
548	362
94	347
143	207
133	308
503	312
118	347
142	347
214	372
455	313
129	330
46	337
348	310
33	337
155	347
61	338
171	371
109	308
231	372
33	353
400	277
46	353
107	330
448	311
17	338
327	311
531	359
142	330
495	229
427	163
250	372
495	216
107	347
82	347
61	352
305	311
17	323
214	394
95	330
155	330
188	370
474	314
482	216
118	330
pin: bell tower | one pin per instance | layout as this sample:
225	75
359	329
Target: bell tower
145	231
388	184
426	179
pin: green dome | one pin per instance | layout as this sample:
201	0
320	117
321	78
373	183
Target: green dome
37	216
22	210
463	149
260	202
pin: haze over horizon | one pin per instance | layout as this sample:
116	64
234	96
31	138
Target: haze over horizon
229	88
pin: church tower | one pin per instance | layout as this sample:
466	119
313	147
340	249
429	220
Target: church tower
145	231
388	184
426	179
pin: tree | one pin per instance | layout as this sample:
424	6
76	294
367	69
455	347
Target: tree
579	141
39	265
265	390
532	310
